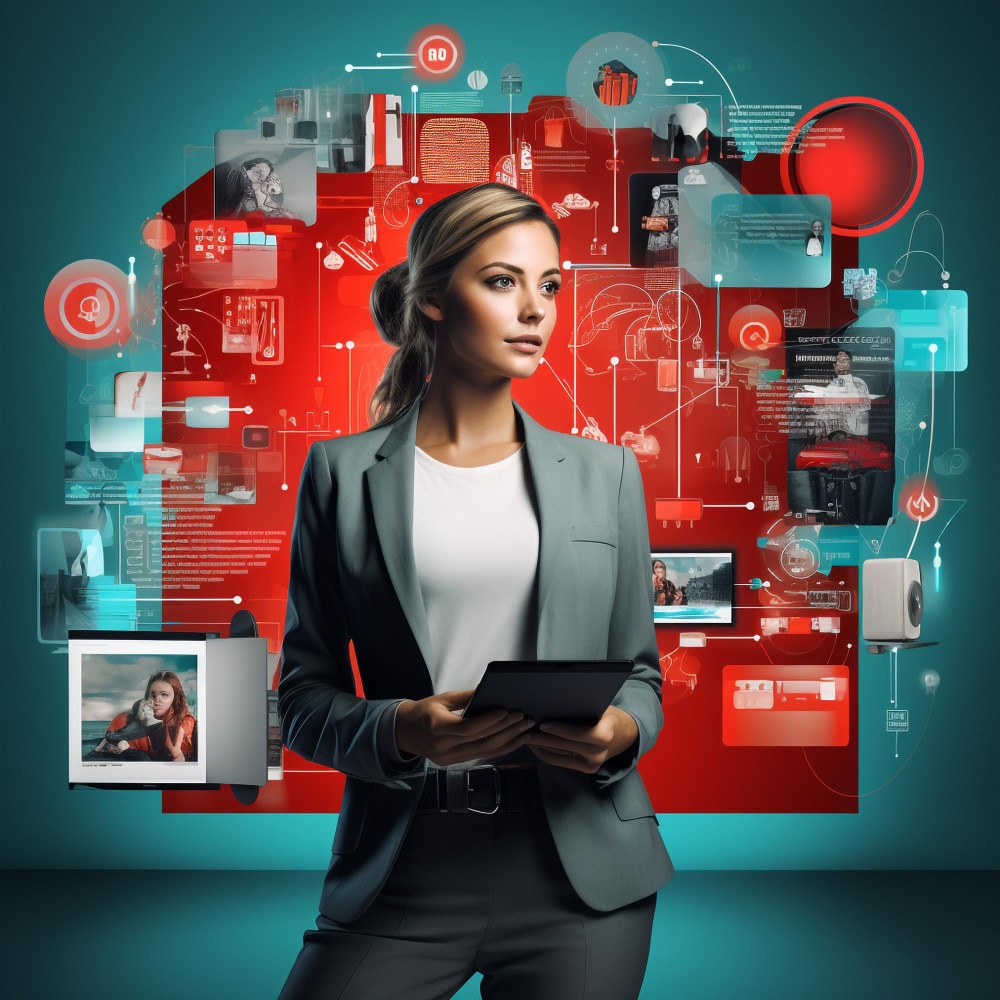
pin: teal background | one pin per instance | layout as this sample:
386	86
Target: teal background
103	100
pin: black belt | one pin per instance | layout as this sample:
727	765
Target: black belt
484	789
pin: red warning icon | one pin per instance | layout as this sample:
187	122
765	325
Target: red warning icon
920	498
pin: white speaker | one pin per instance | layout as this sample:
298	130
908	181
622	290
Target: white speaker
893	600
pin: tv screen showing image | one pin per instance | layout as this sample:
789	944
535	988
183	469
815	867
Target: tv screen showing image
692	587
138	708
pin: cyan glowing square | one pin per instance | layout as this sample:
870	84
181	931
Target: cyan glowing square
206	411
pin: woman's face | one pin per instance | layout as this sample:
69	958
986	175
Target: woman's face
161	694
258	172
495	319
659	571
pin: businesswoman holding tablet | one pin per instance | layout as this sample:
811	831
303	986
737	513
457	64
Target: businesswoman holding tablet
454	532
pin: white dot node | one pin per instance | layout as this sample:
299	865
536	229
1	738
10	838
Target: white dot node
717	279
208	364
922	425
237	599
945	285
750	505
756	638
319	246
932	348
248	410
414	179
669	81
284	486
575	430
414	88
350	345
378	55
348	68
767	583
120	354
615	361
131	260
614	229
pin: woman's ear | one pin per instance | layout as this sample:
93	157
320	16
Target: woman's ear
431	308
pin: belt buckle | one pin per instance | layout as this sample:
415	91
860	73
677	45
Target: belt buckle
469	789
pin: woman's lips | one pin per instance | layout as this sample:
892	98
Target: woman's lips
526	345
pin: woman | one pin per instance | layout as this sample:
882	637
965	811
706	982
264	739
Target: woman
538	869
251	185
662	587
660	583
159	727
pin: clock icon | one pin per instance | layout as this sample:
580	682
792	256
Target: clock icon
611	79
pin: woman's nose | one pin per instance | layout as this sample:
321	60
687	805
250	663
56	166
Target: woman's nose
533	307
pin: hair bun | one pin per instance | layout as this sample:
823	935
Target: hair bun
387	301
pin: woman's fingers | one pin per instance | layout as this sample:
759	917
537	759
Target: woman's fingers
430	728
565	758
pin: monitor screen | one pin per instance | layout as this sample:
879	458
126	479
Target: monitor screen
138	708
692	587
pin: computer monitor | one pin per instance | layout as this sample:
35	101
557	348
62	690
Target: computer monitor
692	587
166	710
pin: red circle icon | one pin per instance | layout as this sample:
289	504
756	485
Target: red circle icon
864	155
85	305
439	52
755	328
920	498
158	232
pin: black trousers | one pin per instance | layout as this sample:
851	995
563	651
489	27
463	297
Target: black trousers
470	894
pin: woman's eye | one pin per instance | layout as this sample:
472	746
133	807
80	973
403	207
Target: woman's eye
502	281
551	287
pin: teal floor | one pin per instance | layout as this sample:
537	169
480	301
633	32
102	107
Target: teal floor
169	935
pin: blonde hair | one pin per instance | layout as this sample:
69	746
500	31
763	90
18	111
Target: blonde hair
441	238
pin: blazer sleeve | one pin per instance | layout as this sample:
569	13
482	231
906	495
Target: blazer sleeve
632	635
322	717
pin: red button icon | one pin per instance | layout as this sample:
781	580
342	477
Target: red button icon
439	52
920	498
85	305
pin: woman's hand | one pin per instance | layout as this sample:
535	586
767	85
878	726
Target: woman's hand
174	748
584	748
431	728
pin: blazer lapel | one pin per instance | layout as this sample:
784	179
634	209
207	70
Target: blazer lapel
390	488
550	479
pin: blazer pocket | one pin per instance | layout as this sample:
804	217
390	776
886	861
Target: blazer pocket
630	799
351	821
594	533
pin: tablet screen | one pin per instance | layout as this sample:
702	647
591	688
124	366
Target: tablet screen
551	690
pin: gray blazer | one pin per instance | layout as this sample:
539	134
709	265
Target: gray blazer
353	579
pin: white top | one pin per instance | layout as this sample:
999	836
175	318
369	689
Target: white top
475	544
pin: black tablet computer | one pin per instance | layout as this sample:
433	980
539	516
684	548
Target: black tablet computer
551	690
